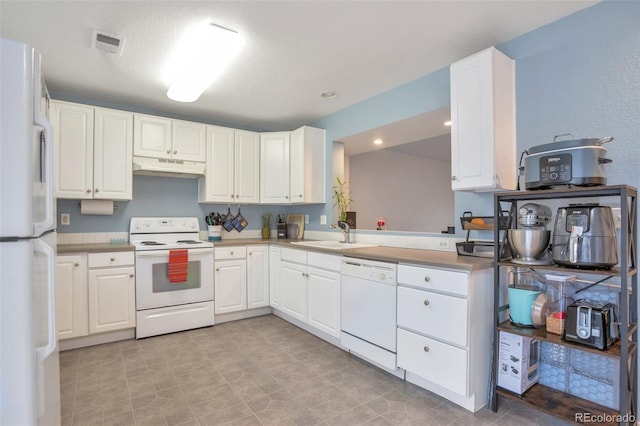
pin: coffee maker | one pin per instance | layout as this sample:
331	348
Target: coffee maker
584	236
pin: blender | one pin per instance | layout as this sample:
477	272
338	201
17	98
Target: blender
529	242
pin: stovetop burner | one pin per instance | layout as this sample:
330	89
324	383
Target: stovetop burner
151	243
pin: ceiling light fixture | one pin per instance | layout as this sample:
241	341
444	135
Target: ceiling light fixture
328	95
199	58
447	123
378	142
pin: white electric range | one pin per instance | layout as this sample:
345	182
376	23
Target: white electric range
164	306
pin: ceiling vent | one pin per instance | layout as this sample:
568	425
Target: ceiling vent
107	42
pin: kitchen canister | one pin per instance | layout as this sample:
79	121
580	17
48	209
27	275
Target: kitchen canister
215	232
560	294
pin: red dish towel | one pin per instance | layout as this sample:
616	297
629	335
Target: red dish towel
178	265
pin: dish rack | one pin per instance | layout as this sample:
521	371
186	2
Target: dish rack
470	223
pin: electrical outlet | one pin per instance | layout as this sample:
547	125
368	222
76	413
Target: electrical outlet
443	244
306	219
65	219
323	219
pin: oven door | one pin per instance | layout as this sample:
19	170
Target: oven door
153	288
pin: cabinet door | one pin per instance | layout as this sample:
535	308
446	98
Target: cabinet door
483	122
112	156
112	304
434	361
275	290
257	277
274	168
72	316
217	185
247	167
293	283
323	300
73	150
151	136
188	141
297	166
230	286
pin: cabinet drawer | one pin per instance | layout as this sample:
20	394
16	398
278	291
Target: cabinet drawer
120	258
324	261
434	361
434	279
297	256
237	252
437	315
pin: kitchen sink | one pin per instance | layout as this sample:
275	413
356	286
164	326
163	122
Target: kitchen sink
335	245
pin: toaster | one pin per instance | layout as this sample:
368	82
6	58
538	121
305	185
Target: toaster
591	324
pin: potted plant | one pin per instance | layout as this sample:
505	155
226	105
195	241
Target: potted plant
266	226
341	199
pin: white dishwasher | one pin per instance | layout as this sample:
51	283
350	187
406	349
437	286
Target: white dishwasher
369	311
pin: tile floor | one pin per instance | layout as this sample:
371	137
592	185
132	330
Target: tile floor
259	371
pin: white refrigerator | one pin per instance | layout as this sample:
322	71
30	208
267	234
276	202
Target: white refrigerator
29	362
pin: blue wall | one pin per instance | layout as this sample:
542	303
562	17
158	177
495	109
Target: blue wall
579	74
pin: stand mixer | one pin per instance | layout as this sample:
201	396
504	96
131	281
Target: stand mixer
529	242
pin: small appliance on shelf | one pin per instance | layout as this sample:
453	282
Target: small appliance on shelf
470	223
529	242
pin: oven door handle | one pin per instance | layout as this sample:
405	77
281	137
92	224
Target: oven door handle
162	253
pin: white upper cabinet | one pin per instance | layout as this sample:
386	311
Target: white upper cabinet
232	174
93	152
483	132
293	166
189	141
160	137
308	162
274	168
112	154
152	137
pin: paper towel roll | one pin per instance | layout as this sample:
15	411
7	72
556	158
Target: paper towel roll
96	207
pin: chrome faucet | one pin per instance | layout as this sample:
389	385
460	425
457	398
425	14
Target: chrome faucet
344	228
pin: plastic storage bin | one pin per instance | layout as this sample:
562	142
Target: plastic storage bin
560	294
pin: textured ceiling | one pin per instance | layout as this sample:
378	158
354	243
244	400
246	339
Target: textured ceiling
294	50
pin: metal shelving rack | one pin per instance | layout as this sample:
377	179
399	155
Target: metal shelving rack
558	403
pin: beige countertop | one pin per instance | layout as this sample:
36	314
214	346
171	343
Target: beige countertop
433	258
93	248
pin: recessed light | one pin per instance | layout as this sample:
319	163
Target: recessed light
328	95
378	142
447	123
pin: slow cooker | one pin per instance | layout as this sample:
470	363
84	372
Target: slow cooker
566	162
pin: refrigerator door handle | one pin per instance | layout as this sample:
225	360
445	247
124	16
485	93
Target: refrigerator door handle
46	163
43	352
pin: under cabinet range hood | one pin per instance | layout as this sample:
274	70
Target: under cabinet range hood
166	167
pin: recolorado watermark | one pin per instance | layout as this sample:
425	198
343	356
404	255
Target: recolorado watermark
604	418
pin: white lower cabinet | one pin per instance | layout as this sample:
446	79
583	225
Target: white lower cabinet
310	289
444	331
112	291
293	283
323	300
275	290
95	293
72	309
257	277
241	278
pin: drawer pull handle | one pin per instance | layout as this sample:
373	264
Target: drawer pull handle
426	302
231	253
217	269
427	279
426	348
130	275
76	264
113	259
